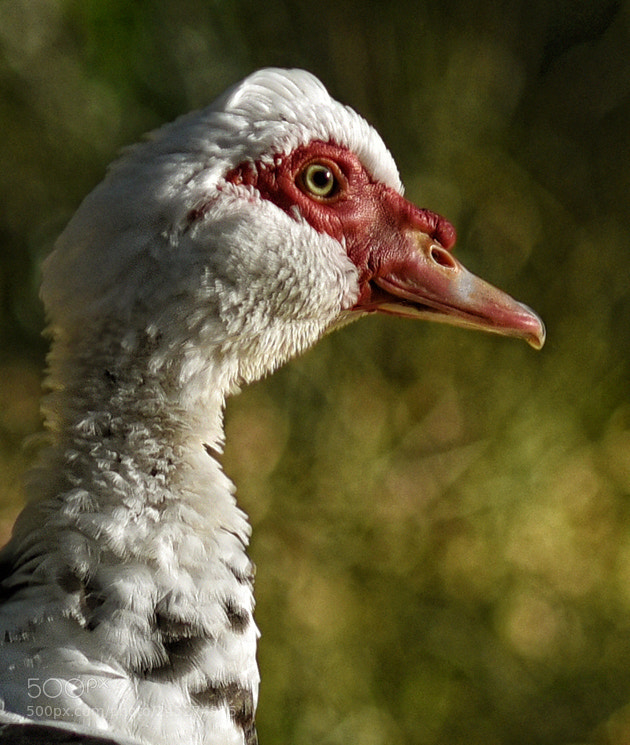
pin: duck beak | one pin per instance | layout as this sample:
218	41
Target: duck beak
418	278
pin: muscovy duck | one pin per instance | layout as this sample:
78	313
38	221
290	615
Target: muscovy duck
228	242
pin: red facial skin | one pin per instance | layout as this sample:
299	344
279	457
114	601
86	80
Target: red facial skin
402	252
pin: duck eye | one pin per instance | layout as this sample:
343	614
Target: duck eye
318	179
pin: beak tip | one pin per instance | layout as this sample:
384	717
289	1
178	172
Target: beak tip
536	335
538	341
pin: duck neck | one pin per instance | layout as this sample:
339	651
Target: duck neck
131	510
136	430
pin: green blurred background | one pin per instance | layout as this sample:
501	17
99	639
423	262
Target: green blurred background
441	518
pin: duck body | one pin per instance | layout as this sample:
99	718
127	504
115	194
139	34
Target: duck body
210	254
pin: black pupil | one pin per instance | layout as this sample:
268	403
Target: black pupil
322	178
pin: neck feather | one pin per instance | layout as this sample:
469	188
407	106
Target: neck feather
133	531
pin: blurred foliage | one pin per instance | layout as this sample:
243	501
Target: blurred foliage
441	519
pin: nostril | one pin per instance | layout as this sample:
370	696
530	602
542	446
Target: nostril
442	257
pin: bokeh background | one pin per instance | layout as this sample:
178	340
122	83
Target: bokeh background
441	518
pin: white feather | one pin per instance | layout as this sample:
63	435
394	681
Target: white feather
132	534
